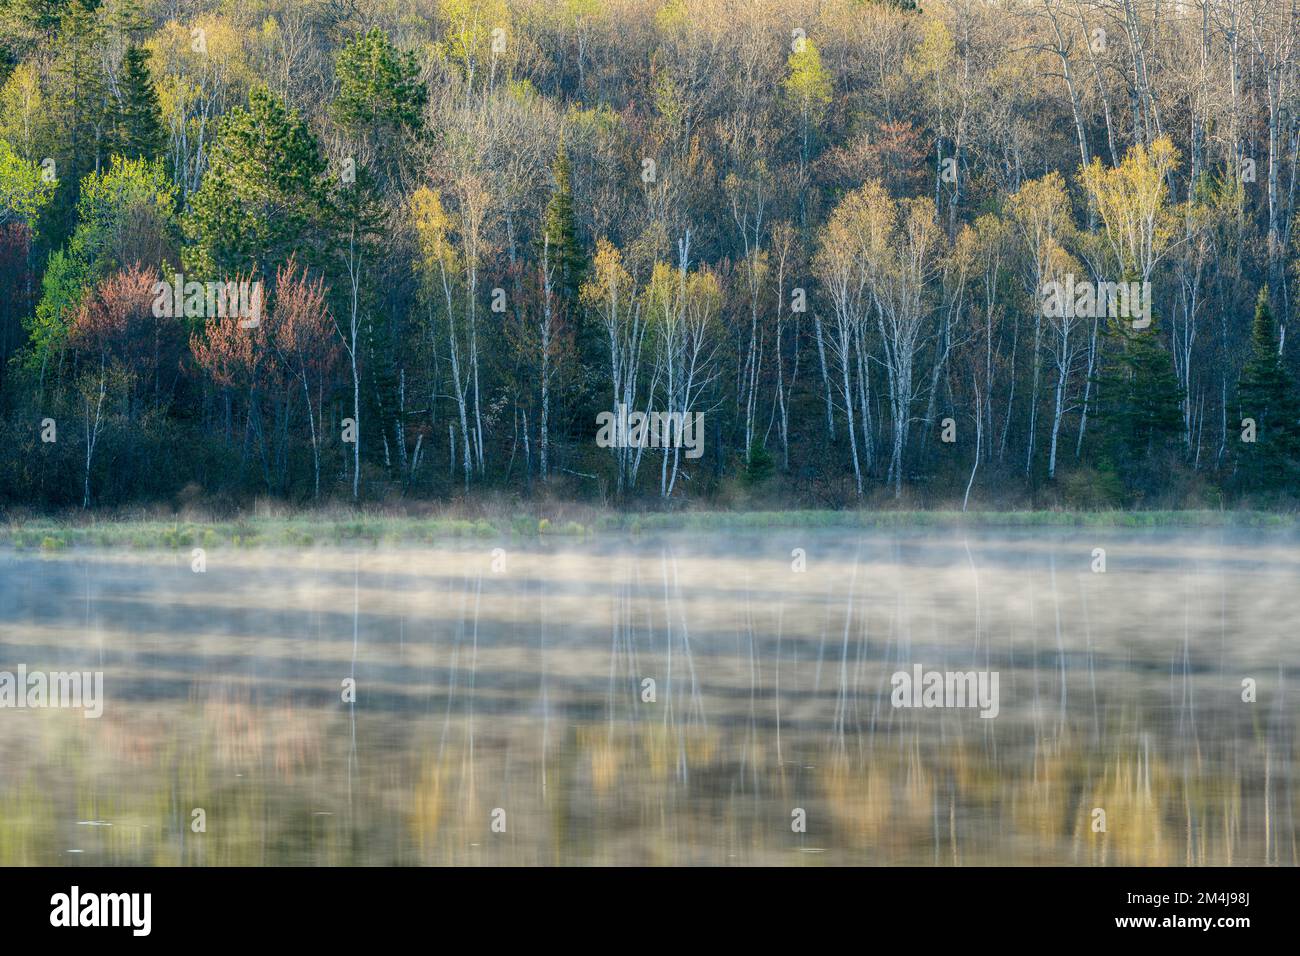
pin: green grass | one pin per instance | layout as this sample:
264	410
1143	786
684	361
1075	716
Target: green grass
704	521
312	530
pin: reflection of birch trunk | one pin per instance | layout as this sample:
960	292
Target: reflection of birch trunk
694	711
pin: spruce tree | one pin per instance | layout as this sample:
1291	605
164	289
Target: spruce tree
1267	396
139	120
1138	400
561	232
78	106
559	236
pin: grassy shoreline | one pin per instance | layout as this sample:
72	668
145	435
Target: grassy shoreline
310	529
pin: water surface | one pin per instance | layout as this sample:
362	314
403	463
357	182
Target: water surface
517	693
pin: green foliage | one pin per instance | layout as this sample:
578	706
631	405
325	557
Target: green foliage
760	466
809	84
107	197
80	103
1138	400
108	203
748	123
24	117
139	126
1093	488
23	191
264	195
379	88
1267	395
62	287
560	230
23	23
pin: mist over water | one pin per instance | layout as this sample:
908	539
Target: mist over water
520	696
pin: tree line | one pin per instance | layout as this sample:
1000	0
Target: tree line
987	252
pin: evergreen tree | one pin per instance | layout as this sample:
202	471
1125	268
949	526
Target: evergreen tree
1267	395
379	87
560	229
79	107
568	263
380	90
380	97
1138	400
82	95
139	120
264	195
758	466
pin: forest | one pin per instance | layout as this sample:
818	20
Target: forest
957	253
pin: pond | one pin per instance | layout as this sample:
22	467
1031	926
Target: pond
680	699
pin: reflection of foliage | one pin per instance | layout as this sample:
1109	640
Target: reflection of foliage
667	789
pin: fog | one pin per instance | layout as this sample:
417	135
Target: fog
683	699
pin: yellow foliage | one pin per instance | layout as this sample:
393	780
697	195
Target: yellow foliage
432	226
1132	199
809	83
22	111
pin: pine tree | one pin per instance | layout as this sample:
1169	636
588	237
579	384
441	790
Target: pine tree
379	87
1267	396
380	98
264	195
139	119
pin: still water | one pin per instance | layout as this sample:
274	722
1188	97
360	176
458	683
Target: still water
681	699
